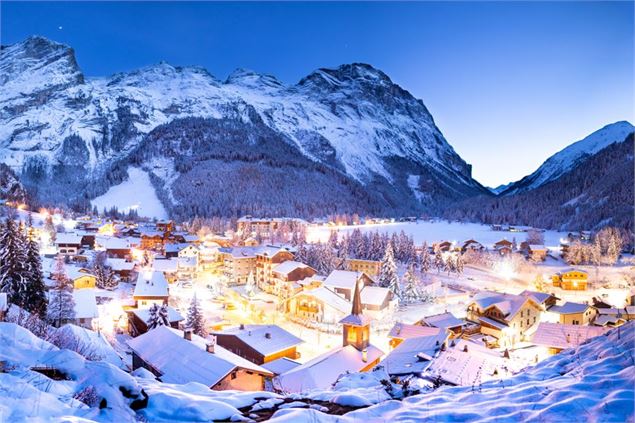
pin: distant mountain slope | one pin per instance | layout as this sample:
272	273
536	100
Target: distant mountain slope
71	137
571	156
597	191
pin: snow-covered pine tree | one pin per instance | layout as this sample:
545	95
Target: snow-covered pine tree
13	269
439	263
459	263
195	320
61	307
36	300
426	261
388	271
250	285
105	277
158	316
333	242
411	292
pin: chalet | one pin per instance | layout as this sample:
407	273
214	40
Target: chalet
369	267
446	321
180	357
68	244
250	242
343	282
574	313
537	252
571	279
82	278
151	288
268	257
165	226
442	246
503	247
122	268
506	317
285	277
88	240
172	250
402	331
114	247
377	300
238	263
168	267
413	355
626	313
318	305
356	354
151	240
138	320
259	343
186	268
542	298
557	336
472	245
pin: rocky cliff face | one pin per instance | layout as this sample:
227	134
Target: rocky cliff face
61	130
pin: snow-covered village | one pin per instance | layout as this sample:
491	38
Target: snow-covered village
178	245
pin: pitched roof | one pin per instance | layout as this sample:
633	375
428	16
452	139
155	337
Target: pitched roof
405	331
322	371
374	295
569	308
461	368
563	336
444	321
281	365
119	264
345	279
539	297
165	265
256	337
413	355
151	284
144	314
68	238
328	297
85	304
182	361
288	266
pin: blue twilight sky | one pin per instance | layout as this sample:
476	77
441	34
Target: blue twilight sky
508	83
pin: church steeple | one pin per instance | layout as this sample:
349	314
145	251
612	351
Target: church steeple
356	326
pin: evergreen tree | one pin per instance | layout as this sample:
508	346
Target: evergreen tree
439	263
105	277
459	264
195	320
61	307
411	292
35	298
158	316
388	271
332	242
426	261
13	269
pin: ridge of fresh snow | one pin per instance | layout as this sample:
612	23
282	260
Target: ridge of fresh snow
569	157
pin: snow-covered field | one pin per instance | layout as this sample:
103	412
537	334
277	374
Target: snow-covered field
433	231
135	193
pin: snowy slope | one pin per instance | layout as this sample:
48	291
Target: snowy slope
571	156
135	193
352	119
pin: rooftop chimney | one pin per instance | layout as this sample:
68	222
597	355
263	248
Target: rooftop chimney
365	355
242	326
268	335
465	348
187	334
209	347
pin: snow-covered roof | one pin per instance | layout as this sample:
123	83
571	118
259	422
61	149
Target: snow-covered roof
113	243
281	365
571	269
374	295
344	279
288	266
144	314
74	272
539	297
569	308
322	371
186	262
240	252
269	250
405	331
615	311
413	355
537	247
151	284
461	368
563	336
85	303
492	322
328	297
119	264
444	321
165	265
182	361
265	339
67	238
606	319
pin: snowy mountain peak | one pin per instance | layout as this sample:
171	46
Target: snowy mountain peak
36	65
162	72
569	157
250	79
